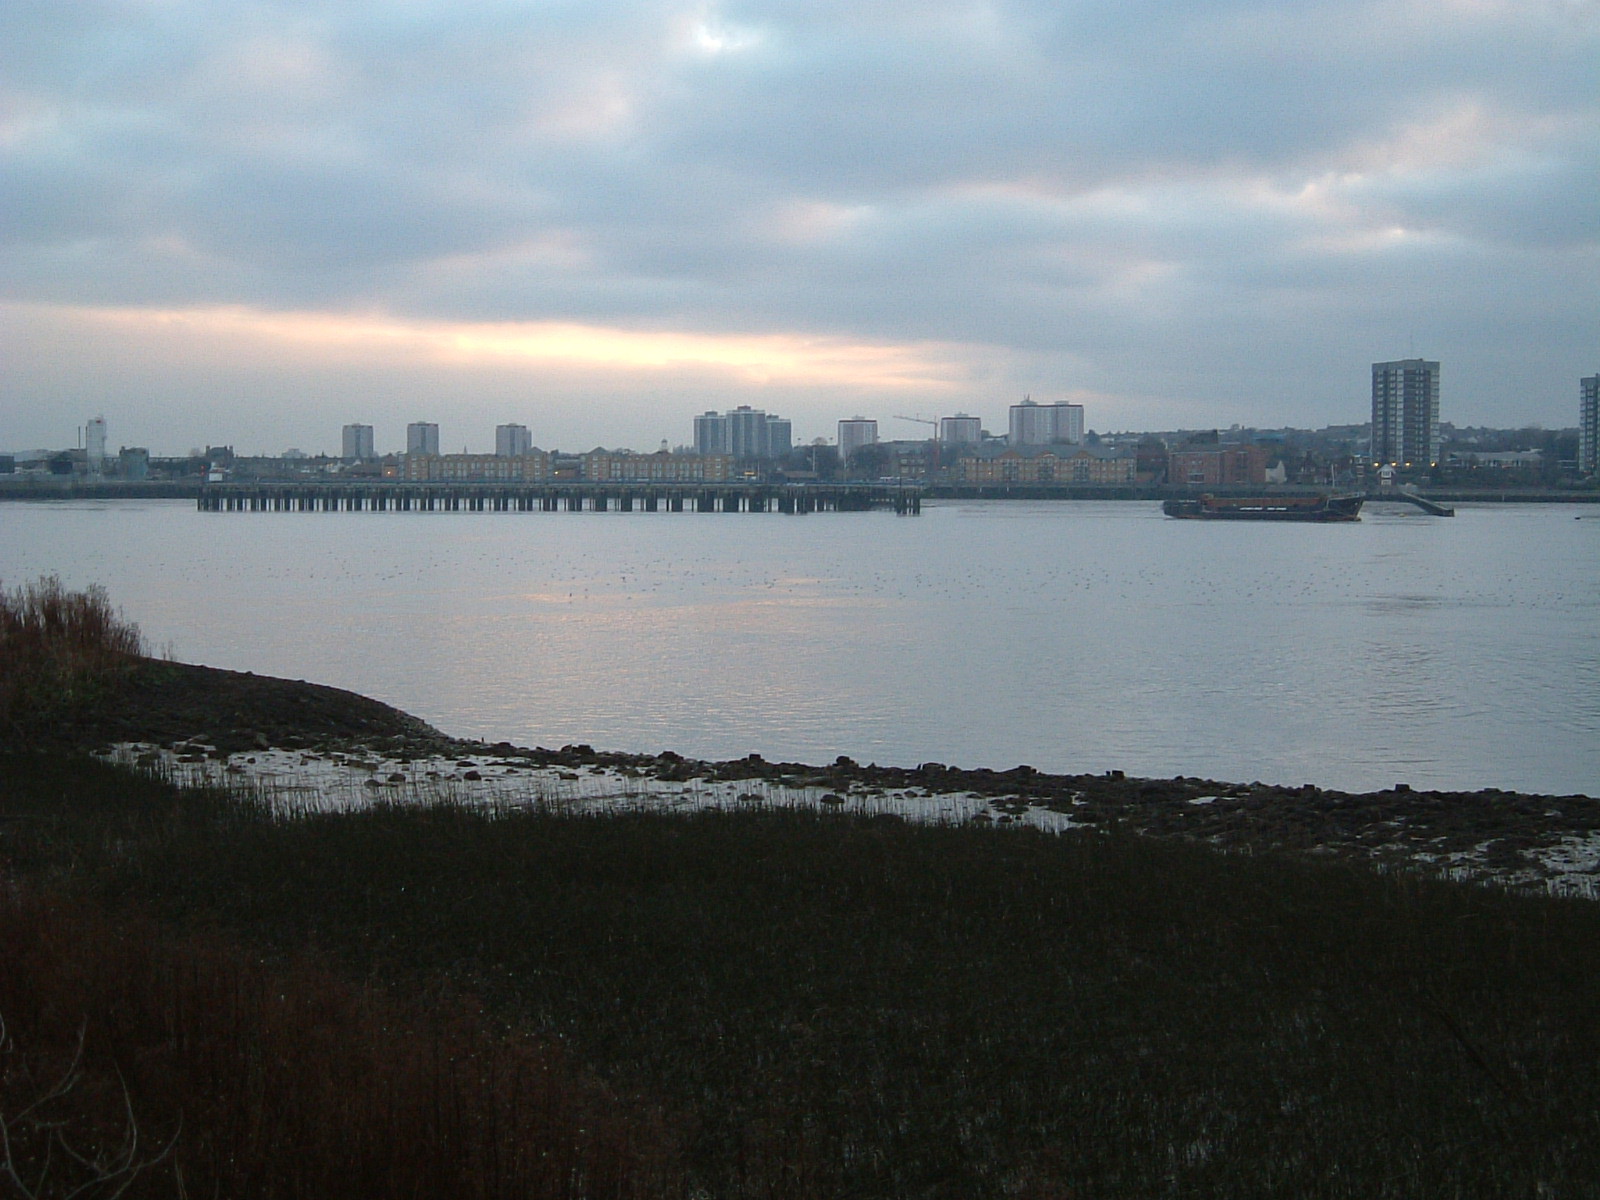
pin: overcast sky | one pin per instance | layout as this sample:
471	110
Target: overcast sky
248	223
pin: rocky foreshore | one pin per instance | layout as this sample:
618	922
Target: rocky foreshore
255	726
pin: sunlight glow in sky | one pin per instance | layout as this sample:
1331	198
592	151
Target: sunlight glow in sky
749	359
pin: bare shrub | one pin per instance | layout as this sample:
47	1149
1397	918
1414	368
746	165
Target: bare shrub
138	1065
42	1154
59	649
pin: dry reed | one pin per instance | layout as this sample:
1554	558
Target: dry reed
138	1064
59	650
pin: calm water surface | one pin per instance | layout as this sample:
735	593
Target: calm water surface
1457	653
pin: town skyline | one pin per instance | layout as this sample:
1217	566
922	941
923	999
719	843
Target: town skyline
513	438
391	437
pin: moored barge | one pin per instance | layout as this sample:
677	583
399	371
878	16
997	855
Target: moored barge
1320	507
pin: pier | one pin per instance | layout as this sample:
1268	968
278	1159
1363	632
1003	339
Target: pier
1400	496
795	499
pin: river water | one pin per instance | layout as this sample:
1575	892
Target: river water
1074	637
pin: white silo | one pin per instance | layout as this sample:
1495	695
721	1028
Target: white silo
94	444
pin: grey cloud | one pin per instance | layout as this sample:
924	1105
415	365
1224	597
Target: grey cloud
1082	180
1528	200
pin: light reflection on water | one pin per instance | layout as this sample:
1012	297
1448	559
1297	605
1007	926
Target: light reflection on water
1075	637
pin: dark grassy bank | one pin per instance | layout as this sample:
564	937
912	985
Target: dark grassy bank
142	1059
826	1006
76	675
138	1063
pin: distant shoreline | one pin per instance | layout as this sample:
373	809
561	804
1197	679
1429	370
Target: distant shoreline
36	488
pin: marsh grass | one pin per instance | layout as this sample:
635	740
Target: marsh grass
193	1068
836	1005
59	651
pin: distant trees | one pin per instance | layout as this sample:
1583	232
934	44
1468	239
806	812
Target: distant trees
868	462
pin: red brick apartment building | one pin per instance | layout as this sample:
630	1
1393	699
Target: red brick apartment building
1218	466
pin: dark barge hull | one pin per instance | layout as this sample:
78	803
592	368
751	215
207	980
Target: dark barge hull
1321	509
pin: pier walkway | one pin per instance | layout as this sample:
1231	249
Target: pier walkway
558	497
1400	496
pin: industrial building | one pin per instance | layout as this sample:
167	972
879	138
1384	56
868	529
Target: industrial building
94	445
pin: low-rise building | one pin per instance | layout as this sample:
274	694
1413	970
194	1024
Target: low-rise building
533	467
620	466
1150	460
1496	460
1047	465
133	463
1218	466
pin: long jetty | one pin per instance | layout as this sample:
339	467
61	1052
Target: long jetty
398	496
